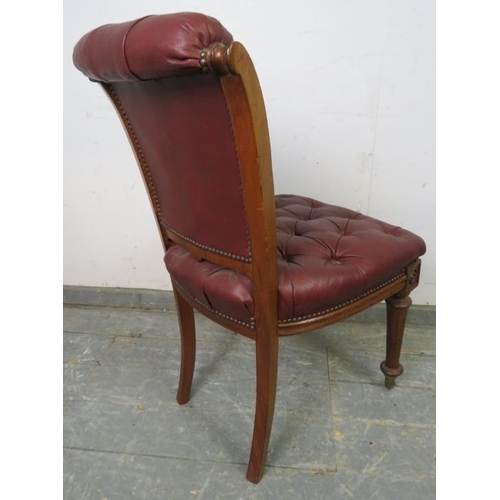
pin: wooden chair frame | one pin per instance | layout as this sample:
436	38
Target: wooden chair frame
246	107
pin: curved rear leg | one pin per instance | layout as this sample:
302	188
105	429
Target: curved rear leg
266	346
188	346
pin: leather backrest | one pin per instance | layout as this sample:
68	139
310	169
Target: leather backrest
178	122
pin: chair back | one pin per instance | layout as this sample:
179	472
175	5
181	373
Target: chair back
190	101
179	123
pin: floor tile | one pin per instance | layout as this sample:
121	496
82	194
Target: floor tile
99	475
337	433
374	403
367	337
121	322
131	385
75	377
299	440
382	448
348	365
84	347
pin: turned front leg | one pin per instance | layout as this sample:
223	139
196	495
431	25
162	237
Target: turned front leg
397	311
397	308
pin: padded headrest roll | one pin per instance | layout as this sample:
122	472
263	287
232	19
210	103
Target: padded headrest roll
149	47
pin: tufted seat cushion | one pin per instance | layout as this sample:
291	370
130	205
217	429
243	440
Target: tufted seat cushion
327	256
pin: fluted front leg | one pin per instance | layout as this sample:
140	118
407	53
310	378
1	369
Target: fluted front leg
185	316
397	311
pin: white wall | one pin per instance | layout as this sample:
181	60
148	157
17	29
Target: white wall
349	91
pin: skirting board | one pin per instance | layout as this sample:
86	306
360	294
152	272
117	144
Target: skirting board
164	300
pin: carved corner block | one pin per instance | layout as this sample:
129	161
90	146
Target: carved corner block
412	278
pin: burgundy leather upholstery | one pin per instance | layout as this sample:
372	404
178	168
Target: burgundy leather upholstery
184	131
328	256
147	48
180	121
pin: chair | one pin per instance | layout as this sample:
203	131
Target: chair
261	265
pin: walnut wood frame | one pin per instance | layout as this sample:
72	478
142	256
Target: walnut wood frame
246	107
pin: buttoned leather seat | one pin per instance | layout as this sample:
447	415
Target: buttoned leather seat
264	266
327	257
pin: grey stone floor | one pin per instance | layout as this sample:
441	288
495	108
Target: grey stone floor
337	434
